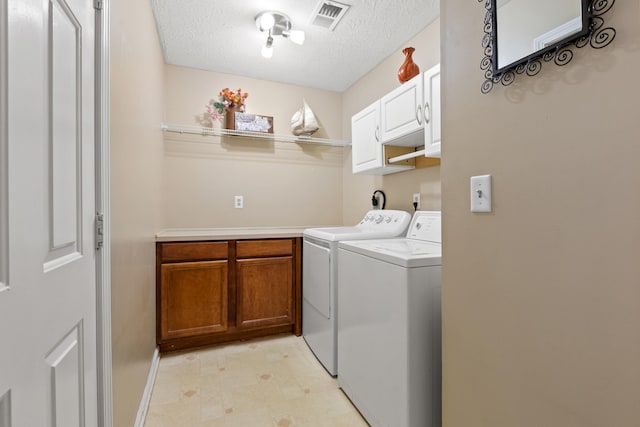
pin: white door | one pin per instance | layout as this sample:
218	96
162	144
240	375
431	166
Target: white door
48	371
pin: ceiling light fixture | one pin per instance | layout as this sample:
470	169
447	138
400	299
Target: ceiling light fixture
267	50
276	24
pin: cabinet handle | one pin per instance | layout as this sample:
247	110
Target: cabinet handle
419	114
427	113
377	133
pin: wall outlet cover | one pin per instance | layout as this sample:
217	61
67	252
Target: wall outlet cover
416	199
481	193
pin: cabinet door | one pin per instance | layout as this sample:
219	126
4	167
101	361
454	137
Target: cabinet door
264	292
432	112
194	298
366	149
401	113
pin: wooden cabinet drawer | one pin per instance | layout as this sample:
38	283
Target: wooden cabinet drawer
261	248
196	251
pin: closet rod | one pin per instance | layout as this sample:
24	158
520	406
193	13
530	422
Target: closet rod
407	156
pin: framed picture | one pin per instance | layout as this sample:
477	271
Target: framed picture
253	123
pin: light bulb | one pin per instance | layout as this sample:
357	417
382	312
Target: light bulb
296	36
267	51
267	21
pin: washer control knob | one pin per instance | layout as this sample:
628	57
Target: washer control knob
387	219
379	219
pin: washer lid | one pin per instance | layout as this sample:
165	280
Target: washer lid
376	224
348	233
405	252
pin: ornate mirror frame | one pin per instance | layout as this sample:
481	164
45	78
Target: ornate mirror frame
593	33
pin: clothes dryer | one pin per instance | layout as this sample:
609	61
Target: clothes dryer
320	272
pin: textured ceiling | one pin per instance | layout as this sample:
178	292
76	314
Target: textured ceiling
221	36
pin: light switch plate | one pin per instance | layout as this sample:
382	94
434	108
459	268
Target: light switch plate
481	193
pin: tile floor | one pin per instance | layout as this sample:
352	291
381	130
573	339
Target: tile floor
269	382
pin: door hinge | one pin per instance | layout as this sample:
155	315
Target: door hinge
99	231
97	4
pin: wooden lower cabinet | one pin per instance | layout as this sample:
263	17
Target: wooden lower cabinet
211	292
193	298
265	294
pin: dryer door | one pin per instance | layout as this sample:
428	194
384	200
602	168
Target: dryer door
316	276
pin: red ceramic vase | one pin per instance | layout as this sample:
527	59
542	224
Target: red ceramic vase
408	69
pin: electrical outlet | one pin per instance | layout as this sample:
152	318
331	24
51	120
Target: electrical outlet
238	202
416	199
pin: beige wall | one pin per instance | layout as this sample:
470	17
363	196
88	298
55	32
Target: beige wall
541	298
398	187
283	184
136	161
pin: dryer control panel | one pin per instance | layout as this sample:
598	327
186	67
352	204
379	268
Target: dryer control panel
427	226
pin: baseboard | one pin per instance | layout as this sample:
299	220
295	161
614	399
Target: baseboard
146	396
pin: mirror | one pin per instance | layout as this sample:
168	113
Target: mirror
524	27
521	34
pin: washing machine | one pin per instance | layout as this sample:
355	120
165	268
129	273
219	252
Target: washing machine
320	273
389	363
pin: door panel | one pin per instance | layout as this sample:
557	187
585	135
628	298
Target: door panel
65	361
48	373
64	59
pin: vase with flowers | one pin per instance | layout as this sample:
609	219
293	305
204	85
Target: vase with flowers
228	103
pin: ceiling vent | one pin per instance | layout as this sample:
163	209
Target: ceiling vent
328	13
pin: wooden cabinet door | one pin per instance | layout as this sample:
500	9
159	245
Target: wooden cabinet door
264	292
194	298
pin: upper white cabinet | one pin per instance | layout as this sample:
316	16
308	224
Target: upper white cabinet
367	153
365	139
432	112
401	114
386	135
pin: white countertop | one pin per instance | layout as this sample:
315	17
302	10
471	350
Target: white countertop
191	234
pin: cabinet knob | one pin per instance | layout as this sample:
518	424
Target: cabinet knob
427	113
419	114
